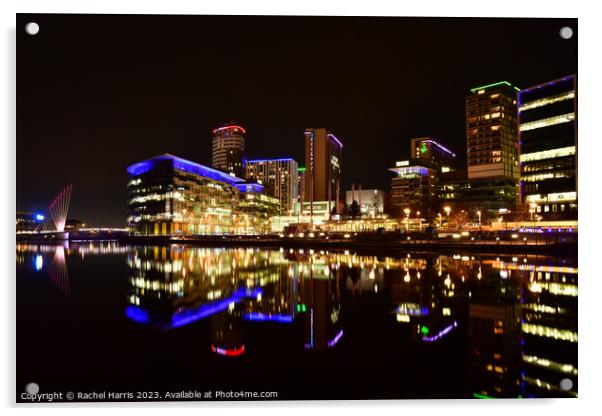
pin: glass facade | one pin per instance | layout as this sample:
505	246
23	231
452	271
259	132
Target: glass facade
256	209
548	137
172	196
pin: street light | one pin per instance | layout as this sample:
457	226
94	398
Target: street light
447	210
479	214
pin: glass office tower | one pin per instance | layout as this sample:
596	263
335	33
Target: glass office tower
548	137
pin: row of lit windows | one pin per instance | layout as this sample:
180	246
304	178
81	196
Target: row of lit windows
547	100
551	121
556	197
548	165
550	175
548	154
549	332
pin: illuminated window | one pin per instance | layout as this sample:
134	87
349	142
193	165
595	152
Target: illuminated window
562	196
494	96
547	100
548	154
551	121
495	128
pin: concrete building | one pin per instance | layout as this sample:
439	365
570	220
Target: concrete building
492	143
323	159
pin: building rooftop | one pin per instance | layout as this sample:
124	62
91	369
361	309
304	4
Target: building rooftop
183	165
495	84
282	159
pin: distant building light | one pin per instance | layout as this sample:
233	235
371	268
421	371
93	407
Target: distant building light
39	217
402	163
38	262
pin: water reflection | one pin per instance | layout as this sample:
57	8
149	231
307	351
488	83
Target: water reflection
513	318
51	260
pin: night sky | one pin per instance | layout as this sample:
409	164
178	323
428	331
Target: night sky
96	93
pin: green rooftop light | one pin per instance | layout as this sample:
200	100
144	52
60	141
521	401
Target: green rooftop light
301	169
424	330
495	84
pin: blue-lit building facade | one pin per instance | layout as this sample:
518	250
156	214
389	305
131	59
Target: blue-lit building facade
168	195
548	139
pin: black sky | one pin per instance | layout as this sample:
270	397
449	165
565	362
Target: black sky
96	93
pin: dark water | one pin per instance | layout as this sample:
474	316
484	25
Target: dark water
307	325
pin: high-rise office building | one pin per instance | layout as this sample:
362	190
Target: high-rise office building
228	149
492	140
280	176
323	158
492	146
548	137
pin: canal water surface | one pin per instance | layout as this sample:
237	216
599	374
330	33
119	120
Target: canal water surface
298	324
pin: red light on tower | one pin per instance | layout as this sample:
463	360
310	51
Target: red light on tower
234	129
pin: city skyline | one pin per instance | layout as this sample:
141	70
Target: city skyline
100	117
244	196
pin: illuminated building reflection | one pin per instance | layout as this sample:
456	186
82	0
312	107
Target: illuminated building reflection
511	319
